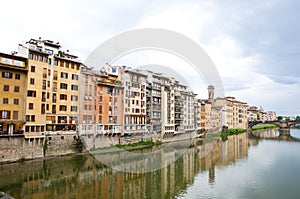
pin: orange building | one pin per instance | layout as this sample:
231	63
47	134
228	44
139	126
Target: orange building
13	71
101	98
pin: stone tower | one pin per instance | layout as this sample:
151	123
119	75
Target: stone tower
211	92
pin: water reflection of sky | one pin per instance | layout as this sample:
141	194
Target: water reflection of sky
272	170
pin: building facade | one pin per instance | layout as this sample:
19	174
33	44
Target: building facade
13	71
52	98
135	83
235	112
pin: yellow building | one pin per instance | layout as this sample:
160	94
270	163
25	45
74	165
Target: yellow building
12	88
235	112
52	98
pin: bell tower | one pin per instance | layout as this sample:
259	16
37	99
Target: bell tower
211	93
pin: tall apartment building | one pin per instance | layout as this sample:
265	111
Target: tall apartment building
52	98
135	83
153	102
235	112
168	107
185	108
101	108
178	108
13	71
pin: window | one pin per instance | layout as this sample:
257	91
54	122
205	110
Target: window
55	75
4	114
49	61
43	96
16	89
15	115
30	106
54	98
63	108
64	75
6	88
47	107
43	109
74	108
30	56
16	101
27	118
36	57
74	98
6	75
55	62
41	58
32	118
53	109
74	77
74	87
32	81
32	69
5	100
44	85
45	59
63	86
31	93
63	97
17	76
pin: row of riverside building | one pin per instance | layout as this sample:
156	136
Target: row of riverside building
46	90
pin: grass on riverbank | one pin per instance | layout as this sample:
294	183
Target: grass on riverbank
135	144
265	126
226	133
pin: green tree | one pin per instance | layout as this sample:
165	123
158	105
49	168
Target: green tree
298	118
279	118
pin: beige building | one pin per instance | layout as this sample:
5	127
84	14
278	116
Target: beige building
13	71
135	83
272	116
52	98
255	114
234	112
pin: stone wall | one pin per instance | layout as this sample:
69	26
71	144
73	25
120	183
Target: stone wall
60	144
14	148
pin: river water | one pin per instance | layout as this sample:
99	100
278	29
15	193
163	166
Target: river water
265	164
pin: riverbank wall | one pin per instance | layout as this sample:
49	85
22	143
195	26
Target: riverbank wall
19	147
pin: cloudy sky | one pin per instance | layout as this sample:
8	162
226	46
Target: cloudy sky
254	44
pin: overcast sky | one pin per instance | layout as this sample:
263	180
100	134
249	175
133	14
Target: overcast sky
255	45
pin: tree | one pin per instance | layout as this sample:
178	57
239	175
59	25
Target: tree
298	118
279	118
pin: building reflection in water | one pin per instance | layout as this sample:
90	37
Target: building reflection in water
82	176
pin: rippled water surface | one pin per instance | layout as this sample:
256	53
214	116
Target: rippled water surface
263	165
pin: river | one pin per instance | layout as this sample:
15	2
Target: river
262	165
